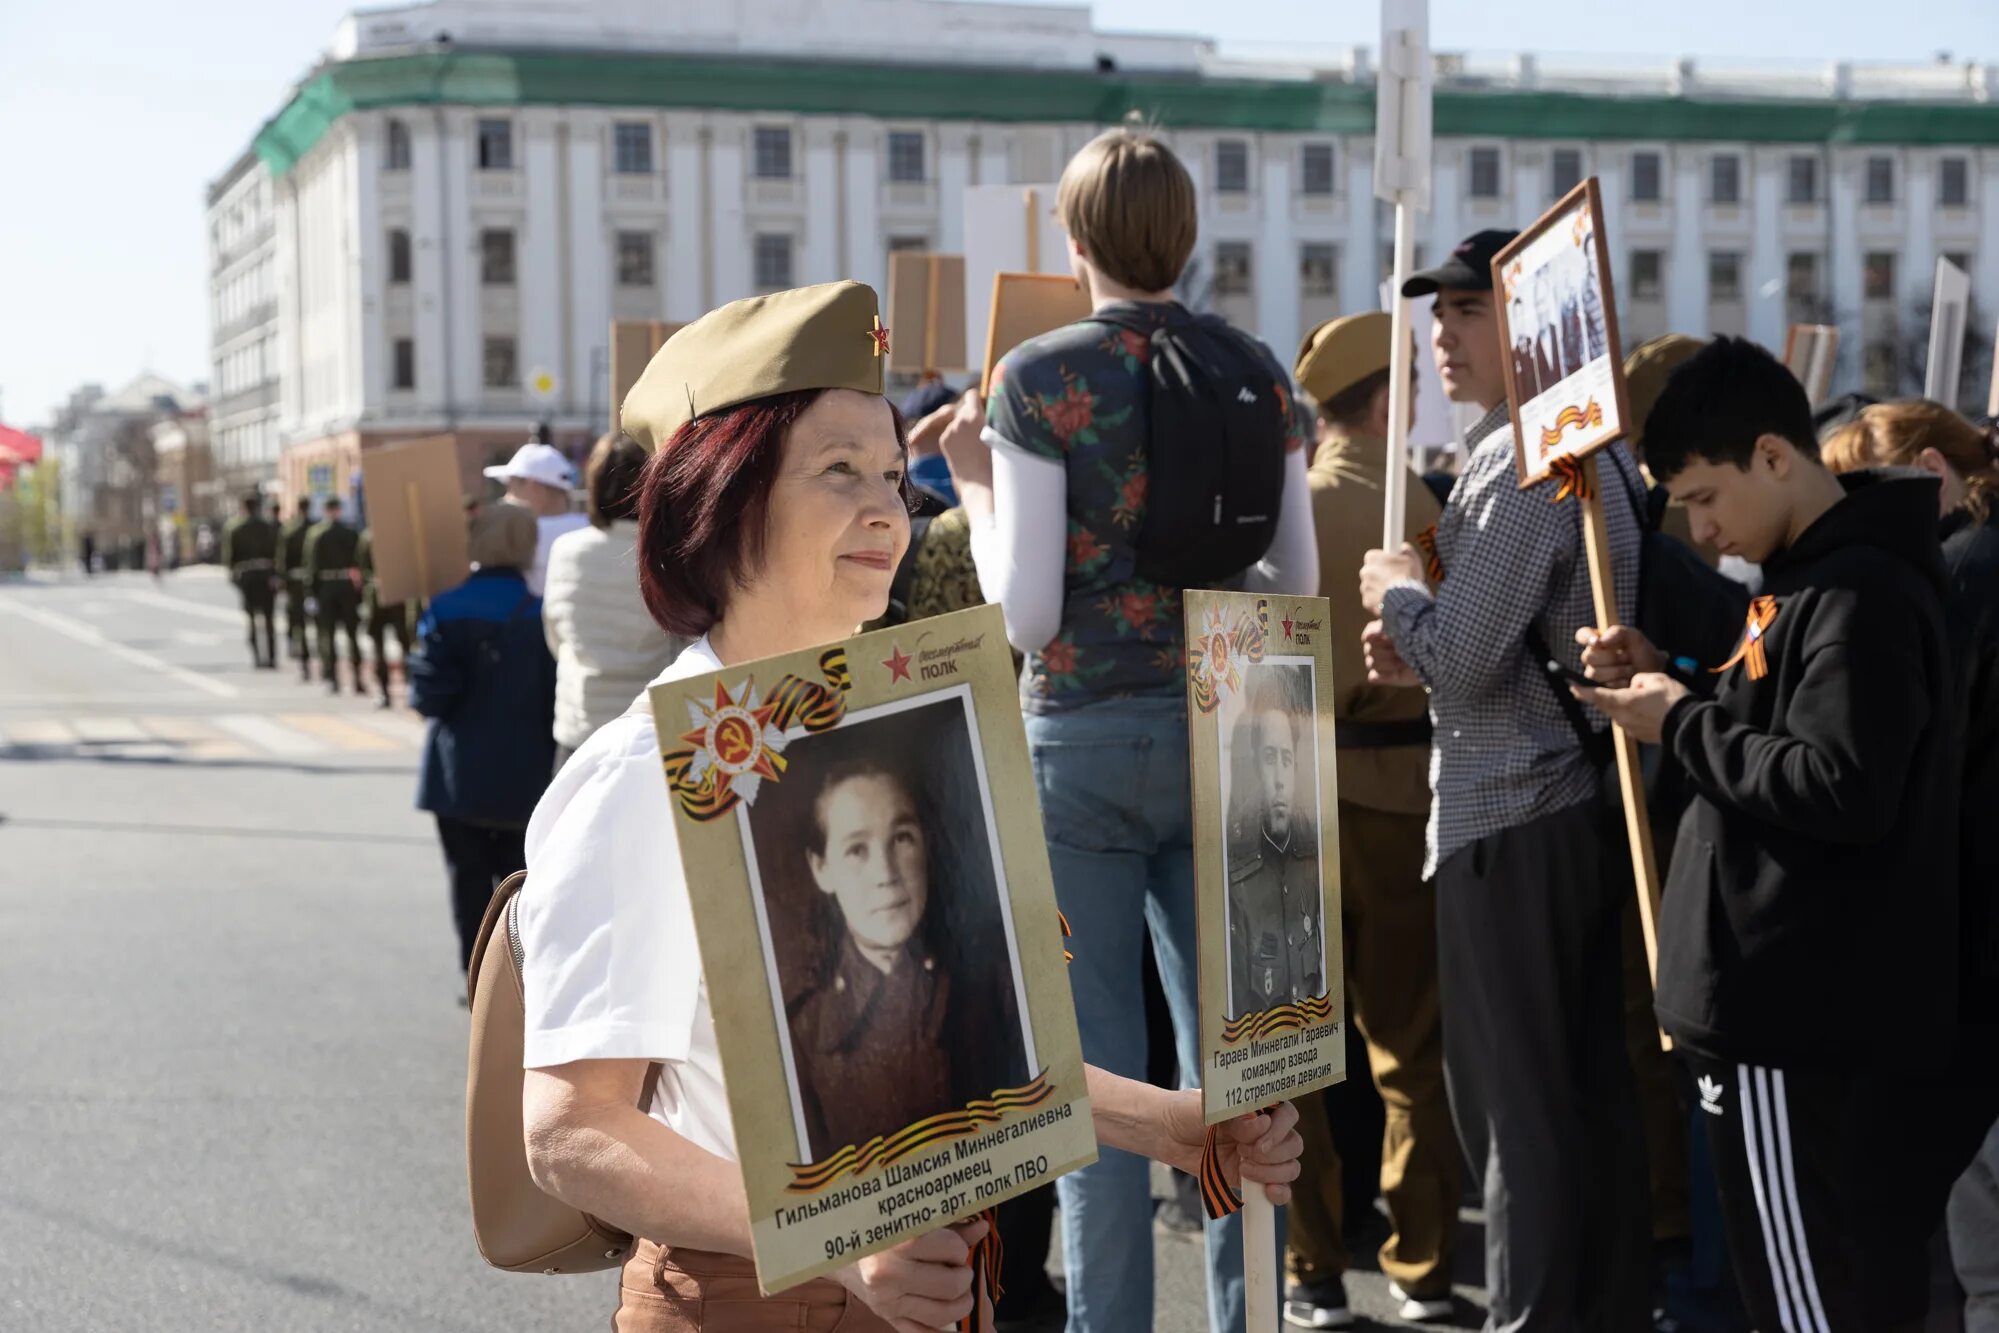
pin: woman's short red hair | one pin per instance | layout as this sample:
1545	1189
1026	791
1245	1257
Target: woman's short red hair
704	503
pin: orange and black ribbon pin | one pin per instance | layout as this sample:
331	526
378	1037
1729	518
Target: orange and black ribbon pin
1573	473
1755	660
1433	564
985	1260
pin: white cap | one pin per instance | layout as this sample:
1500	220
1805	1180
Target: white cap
536	462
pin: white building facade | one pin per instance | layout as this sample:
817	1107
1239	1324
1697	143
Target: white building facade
463	196
243	324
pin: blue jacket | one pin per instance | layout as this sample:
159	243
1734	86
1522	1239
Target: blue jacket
485	680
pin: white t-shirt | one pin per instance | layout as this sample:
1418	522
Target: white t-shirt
610	967
547	528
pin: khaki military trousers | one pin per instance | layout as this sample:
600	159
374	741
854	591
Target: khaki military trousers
1389	920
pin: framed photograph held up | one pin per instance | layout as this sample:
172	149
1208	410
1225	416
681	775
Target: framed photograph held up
1558	326
1266	848
877	925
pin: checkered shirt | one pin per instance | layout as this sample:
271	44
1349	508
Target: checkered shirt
1503	751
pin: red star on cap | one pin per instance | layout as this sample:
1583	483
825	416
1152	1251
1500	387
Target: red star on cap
897	664
880	334
1286	622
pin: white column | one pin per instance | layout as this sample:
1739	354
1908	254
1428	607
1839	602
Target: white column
685	273
586	379
1531	173
1195	156
367	357
819	249
290	368
1360	270
1985	282
428	187
1686	295
727	179
1919	248
460	242
1765	293
1843	277
954	173
866	256
1610	184
1447	224
995	159
1277	296
538	256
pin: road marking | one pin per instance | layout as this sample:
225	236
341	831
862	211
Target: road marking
197	638
108	730
183	604
195	738
396	726
39	731
96	638
268	735
336	731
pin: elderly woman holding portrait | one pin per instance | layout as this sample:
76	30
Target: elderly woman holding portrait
772	515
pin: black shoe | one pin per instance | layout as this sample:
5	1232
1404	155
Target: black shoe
386	703
1318	1305
333	685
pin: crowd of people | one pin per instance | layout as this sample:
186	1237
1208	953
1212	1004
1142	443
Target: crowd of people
1813	623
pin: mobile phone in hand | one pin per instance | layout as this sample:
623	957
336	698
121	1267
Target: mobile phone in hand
1574	676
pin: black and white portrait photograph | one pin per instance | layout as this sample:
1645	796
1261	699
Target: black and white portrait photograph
884	923
1270	766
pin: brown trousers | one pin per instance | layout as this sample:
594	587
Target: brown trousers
1389	930
697	1291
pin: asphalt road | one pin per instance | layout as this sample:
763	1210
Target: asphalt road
233	1063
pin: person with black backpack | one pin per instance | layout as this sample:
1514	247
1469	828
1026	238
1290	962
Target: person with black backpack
1120	460
1529	858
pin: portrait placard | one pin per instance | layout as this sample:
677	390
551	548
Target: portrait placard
1810	352
1027	305
1008	229
416	518
1950	304
1558	325
633	342
877	924
926	309
1266	848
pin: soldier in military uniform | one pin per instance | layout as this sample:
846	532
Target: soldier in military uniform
899	1027
379	617
249	553
333	572
1276	948
291	537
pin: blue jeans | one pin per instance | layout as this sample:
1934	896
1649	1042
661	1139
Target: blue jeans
1115	806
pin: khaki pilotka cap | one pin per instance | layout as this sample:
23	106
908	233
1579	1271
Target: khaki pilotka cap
824	337
1646	371
1342	352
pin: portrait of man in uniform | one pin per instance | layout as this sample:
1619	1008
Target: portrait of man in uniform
1276	927
884	925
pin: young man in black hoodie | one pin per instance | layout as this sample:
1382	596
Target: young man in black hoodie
1806	952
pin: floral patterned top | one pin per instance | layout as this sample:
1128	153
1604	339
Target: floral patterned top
1081	396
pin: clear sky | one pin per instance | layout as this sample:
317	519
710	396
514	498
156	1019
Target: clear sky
115	114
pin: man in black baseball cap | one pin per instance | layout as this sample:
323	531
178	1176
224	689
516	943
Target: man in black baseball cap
1531	871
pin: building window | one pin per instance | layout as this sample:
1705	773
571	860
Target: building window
773	261
1232	268
1724	276
1232	166
1315	175
1960	259
771	152
1318	269
635	254
404	370
905	157
1954	182
1803	180
1725	179
631	148
496	144
1878	276
1485	173
1565	171
496	257
1880	180
1648	280
399	257
1645	172
397	157
1801	287
908	245
502	364
1881	369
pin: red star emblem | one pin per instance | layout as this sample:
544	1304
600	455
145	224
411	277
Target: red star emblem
880	334
1286	622
898	665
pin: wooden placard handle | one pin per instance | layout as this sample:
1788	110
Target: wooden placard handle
930	297
424	590
1033	234
1630	777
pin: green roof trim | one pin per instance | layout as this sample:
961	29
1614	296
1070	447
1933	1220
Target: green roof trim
928	92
